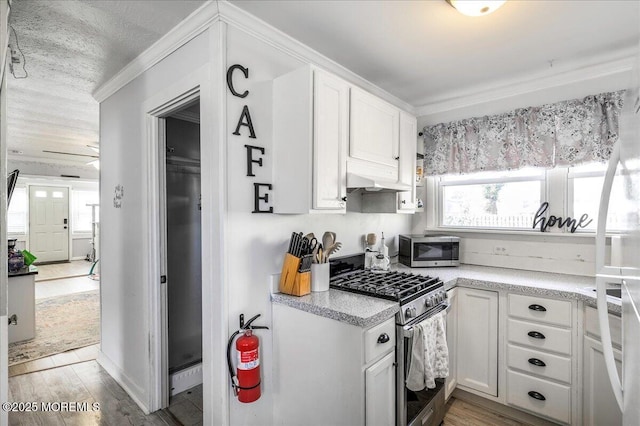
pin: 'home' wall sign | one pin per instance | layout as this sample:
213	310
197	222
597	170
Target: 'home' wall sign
572	224
260	190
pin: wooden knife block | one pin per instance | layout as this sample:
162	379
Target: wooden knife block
291	281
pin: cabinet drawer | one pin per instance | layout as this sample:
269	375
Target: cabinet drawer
549	338
522	390
592	325
379	340
540	363
557	312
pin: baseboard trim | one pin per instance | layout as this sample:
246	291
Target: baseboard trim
185	379
501	409
134	391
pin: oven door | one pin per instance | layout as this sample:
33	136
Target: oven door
425	407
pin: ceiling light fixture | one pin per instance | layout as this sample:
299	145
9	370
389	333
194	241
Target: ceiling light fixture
476	7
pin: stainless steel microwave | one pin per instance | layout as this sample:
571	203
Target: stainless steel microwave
423	251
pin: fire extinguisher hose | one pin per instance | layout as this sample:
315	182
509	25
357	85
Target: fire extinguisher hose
232	376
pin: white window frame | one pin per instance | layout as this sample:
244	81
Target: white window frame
441	183
571	175
557	190
73	214
21	235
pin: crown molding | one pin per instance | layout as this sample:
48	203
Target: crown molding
577	75
202	18
193	25
250	24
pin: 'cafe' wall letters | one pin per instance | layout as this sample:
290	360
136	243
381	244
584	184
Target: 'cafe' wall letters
245	120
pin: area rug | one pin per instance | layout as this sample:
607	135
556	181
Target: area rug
63	323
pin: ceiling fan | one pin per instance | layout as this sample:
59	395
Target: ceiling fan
96	158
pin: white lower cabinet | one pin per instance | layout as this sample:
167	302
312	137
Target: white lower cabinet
541	397
452	334
477	340
380	389
328	372
599	406
540	348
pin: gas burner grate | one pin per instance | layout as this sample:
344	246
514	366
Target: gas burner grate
399	286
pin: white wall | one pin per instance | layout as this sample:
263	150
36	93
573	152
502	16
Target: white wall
125	317
254	243
257	242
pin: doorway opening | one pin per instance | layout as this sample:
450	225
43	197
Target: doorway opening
51	229
182	259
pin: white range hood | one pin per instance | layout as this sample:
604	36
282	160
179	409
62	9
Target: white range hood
371	183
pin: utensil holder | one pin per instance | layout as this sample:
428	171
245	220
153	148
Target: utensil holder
320	277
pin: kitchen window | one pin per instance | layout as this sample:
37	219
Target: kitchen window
584	190
509	200
81	213
491	200
17	213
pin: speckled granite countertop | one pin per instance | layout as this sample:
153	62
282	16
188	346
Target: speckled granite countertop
362	311
365	311
545	284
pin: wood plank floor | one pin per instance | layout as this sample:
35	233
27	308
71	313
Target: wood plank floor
88	382
461	413
75	356
83	382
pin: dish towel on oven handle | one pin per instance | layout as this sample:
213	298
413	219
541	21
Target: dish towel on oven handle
429	353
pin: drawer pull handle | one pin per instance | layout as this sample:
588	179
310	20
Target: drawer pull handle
537	395
536	335
538	308
537	362
383	338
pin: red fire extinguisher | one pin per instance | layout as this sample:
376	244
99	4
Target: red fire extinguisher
246	383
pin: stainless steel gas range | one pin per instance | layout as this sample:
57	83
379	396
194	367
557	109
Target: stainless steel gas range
420	297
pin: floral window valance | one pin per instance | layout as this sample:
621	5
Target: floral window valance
560	134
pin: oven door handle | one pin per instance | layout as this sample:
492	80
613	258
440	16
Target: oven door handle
407	330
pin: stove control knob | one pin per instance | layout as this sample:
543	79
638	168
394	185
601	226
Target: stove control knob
410	312
428	302
440	297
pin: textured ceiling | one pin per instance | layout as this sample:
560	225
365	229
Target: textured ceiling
420	51
425	51
70	48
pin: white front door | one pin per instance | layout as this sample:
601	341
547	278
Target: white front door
49	223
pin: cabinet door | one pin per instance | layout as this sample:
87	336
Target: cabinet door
330	138
374	129
407	161
477	343
599	406
380	392
452	327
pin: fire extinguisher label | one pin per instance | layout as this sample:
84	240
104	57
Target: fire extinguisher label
248	360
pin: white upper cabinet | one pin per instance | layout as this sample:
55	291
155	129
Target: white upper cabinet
310	137
330	140
407	161
374	135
